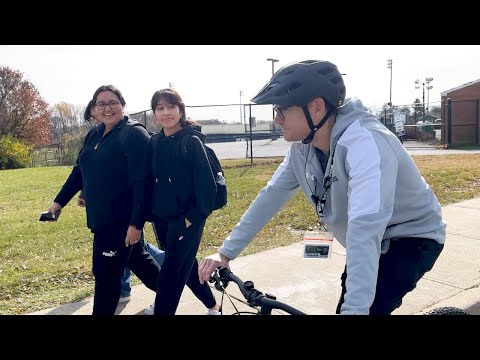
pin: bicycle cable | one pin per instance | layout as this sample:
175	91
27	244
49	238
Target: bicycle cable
242	301
224	292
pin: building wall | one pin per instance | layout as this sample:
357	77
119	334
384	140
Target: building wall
464	121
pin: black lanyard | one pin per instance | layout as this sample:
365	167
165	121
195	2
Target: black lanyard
327	183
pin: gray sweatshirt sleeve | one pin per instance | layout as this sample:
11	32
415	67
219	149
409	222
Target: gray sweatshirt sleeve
270	200
372	171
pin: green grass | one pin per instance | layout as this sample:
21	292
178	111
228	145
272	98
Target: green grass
44	265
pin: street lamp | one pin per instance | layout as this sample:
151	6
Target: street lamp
273	64
429	87
390	66
417	86
273	72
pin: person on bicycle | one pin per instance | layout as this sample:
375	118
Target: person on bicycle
362	183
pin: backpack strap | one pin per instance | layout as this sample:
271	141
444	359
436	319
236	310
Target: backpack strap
125	130
184	145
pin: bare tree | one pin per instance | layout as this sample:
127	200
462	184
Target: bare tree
65	119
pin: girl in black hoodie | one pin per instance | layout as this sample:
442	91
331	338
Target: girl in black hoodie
111	169
184	192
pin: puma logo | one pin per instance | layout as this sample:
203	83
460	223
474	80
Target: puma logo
109	254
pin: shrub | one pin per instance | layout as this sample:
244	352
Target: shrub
14	154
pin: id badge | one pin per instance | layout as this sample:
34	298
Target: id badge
317	244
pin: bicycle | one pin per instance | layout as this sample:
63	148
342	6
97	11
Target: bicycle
266	303
263	303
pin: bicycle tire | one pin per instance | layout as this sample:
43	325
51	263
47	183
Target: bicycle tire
243	313
447	310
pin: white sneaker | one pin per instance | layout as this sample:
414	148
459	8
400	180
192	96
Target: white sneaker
124	299
149	310
214	312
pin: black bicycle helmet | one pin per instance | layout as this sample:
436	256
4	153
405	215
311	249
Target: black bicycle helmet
300	82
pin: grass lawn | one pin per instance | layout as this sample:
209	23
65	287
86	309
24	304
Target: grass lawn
43	265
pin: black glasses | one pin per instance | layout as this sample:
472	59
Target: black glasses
113	105
279	110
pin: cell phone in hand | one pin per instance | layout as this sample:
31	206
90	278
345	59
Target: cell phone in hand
47	216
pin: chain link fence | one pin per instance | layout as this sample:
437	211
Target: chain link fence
420	124
246	131
235	131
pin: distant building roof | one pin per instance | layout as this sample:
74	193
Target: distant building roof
445	93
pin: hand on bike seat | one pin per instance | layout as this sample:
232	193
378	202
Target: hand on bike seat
209	264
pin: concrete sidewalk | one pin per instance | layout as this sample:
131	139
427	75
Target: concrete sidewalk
313	285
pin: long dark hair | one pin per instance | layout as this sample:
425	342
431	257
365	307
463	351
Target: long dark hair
172	97
87	115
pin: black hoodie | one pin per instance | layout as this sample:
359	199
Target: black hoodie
112	172
184	185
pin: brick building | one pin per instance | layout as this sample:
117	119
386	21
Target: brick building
460	115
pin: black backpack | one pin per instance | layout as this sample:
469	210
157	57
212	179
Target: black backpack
221	196
127	128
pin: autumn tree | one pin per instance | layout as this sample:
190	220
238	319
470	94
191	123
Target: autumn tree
24	114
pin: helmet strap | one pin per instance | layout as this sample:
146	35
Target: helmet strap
313	128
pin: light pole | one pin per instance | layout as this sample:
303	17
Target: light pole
273	72
417	86
429	87
390	66
241	117
273	64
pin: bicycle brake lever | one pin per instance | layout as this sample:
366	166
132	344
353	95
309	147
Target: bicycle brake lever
218	280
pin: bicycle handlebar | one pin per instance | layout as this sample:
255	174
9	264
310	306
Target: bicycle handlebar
222	276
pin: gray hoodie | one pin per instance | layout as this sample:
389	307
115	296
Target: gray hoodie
377	195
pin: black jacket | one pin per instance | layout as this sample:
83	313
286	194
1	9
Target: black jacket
112	172
183	182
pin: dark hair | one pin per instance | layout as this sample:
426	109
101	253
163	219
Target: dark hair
172	97
110	88
87	115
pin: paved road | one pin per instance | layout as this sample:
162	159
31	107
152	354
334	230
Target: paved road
279	147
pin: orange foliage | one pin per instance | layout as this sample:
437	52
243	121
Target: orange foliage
24	113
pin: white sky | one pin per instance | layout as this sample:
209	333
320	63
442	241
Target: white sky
215	74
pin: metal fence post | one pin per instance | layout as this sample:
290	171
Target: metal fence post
250	118
449	122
